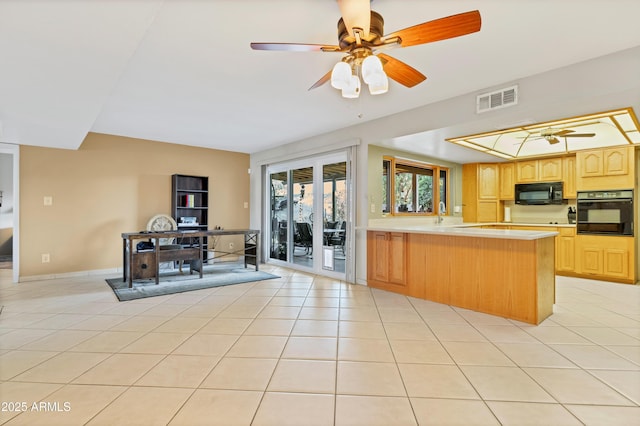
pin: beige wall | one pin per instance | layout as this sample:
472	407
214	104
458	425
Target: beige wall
112	185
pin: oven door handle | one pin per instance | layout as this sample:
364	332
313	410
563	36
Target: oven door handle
610	200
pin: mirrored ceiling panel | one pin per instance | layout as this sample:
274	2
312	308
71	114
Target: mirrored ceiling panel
603	129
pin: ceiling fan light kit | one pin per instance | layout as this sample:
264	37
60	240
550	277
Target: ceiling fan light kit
345	76
360	36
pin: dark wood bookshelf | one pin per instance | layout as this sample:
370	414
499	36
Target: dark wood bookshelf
190	205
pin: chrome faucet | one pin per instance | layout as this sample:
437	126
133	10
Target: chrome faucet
442	209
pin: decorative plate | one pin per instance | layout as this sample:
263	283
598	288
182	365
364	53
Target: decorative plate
162	222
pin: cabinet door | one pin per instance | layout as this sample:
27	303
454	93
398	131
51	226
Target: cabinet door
527	171
565	253
550	169
380	256
488	181
487	211
569	177
396	259
591	260
615	161
616	262
507	181
590	163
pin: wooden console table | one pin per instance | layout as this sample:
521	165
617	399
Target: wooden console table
194	251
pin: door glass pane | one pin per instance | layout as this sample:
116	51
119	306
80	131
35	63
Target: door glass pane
279	216
334	178
302	216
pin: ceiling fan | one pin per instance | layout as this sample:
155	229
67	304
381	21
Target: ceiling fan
551	135
361	36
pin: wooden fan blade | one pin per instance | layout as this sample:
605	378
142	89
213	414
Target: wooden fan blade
401	72
580	135
356	14
553	141
295	47
562	132
322	81
439	29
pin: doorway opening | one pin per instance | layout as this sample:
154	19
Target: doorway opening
9	210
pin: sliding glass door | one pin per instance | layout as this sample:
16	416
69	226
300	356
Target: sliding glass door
308	213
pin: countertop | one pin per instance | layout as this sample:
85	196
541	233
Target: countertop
558	225
468	230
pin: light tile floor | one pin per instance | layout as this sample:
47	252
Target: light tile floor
306	350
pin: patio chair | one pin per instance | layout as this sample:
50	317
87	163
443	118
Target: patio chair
304	236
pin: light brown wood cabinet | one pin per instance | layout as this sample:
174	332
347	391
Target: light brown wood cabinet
606	257
507	175
569	176
488	181
480	192
565	259
566	250
603	169
550	169
508	277
527	171
542	170
387	257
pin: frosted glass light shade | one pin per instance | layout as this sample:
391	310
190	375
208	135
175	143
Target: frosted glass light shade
353	89
380	85
371	67
341	75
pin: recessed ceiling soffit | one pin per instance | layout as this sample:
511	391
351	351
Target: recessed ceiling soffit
603	129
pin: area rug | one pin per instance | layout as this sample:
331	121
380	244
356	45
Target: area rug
176	282
6	261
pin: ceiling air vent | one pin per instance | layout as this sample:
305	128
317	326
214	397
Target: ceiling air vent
499	99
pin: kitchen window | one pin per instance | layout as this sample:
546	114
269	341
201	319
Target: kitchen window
411	187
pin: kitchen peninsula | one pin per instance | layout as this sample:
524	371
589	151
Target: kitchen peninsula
509	273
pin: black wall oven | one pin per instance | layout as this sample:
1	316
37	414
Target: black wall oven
605	212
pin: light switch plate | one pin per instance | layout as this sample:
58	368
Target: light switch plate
48	200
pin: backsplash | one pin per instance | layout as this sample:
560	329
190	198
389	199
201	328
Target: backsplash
539	214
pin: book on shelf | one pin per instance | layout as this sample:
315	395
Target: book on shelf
188	200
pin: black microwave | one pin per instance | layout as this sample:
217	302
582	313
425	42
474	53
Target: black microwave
541	193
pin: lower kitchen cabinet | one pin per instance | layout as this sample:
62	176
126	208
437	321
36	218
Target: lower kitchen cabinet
509	277
606	257
565	250
565	244
387	252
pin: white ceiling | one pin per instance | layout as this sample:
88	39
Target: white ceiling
182	71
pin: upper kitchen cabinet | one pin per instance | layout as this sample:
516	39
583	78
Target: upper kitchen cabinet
507	181
550	169
488	181
480	192
569	176
603	169
543	170
527	171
